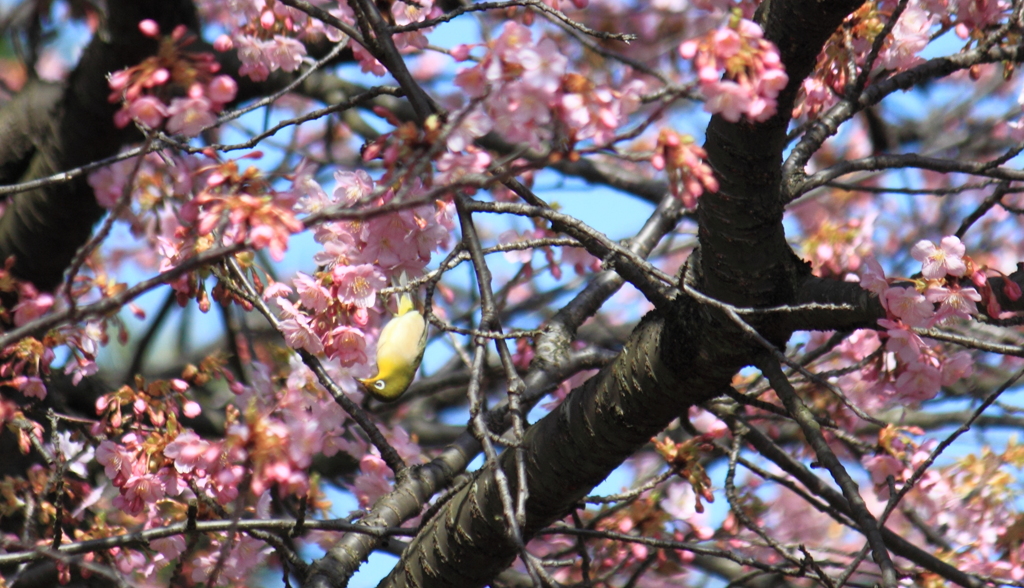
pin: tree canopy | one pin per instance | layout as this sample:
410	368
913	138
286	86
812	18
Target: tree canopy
225	224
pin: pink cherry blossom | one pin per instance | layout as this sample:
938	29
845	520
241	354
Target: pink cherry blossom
149	27
347	345
908	304
30	386
31	308
956	367
186	450
358	284
352	186
313	295
953	301
689	175
753	73
117	462
905	343
881	467
296	329
910	35
938	262
222	89
373	480
284	53
139	490
873	277
453	167
919	381
473	126
728	99
189	116
975	15
148	110
255	63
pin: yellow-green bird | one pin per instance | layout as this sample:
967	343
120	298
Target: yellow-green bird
399	352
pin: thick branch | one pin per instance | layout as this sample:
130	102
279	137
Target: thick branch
745	260
570	451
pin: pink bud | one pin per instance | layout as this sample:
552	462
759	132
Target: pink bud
149	28
148	110
223	43
119	79
191	409
157	78
460	52
267	20
222	89
688	49
122	118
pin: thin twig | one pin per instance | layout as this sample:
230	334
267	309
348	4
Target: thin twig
812	431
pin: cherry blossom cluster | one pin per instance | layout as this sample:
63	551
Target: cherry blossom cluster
25	364
610	558
158	466
266	36
524	87
900	51
338	306
740	73
936	297
183	205
900	455
389	225
981	522
974	17
242	207
837	248
688	174
175	86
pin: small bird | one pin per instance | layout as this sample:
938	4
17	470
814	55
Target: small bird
399	352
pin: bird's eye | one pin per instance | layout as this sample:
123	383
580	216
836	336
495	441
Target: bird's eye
379	384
